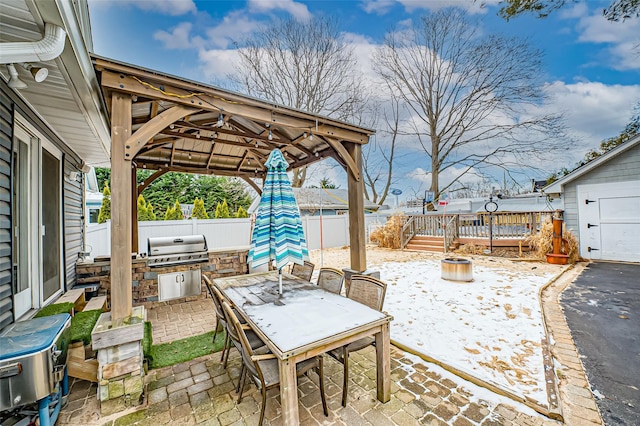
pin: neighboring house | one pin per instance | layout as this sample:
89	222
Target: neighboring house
49	131
313	200
92	197
602	203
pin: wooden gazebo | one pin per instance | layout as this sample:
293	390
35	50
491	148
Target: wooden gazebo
165	123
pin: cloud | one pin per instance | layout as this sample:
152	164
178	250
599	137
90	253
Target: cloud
580	10
233	27
216	64
593	111
381	7
622	38
179	37
165	7
298	10
445	177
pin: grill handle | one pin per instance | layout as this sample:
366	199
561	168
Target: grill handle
178	240
10	370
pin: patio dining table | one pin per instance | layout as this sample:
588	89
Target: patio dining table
303	322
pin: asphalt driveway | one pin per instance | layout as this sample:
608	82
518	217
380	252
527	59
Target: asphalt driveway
602	308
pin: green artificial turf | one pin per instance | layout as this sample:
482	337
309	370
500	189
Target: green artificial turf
55	309
147	341
82	325
184	350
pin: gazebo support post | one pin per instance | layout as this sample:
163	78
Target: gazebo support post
134	209
121	298
355	186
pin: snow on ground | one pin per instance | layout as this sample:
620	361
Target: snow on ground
490	328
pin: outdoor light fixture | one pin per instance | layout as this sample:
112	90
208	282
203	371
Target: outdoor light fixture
311	136
220	122
270	137
14	79
39	73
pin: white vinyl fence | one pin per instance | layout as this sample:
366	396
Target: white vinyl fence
224	233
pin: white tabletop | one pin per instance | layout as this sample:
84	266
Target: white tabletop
304	314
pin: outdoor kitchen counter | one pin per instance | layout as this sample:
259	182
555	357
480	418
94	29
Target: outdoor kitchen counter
221	263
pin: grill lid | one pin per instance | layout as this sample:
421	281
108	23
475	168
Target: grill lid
163	246
32	336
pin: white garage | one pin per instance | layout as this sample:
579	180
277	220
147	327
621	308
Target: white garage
601	203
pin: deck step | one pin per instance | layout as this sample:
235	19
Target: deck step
422	247
97	302
426	243
75	296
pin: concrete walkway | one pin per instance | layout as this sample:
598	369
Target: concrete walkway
202	392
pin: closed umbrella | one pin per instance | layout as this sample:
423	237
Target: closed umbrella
277	233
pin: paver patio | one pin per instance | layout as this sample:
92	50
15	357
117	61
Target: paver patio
202	392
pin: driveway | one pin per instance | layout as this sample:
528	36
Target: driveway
602	308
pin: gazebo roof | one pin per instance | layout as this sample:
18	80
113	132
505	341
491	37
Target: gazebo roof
218	131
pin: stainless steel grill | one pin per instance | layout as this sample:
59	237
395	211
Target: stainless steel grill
165	251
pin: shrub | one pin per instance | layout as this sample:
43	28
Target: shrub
389	235
174	213
542	242
241	213
105	208
222	210
199	212
145	210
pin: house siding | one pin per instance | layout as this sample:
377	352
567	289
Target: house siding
73	202
622	168
6	239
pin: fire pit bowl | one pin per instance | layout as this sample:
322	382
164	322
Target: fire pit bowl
456	269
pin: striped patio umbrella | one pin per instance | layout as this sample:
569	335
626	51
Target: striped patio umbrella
277	233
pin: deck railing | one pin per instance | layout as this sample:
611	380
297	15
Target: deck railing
473	225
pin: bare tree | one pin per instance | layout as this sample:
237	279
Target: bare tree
472	97
378	155
304	65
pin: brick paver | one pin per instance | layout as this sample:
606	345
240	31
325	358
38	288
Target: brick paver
201	392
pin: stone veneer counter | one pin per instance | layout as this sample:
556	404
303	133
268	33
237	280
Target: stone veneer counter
222	263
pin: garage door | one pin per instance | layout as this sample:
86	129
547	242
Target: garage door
609	220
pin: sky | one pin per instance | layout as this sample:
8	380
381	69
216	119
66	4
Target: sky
591	66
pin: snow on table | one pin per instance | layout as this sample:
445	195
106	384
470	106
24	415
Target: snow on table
300	316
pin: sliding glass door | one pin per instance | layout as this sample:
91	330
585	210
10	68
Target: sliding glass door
21	215
37	220
51	225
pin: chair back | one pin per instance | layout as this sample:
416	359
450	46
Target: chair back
331	279
239	339
303	271
368	291
217	300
